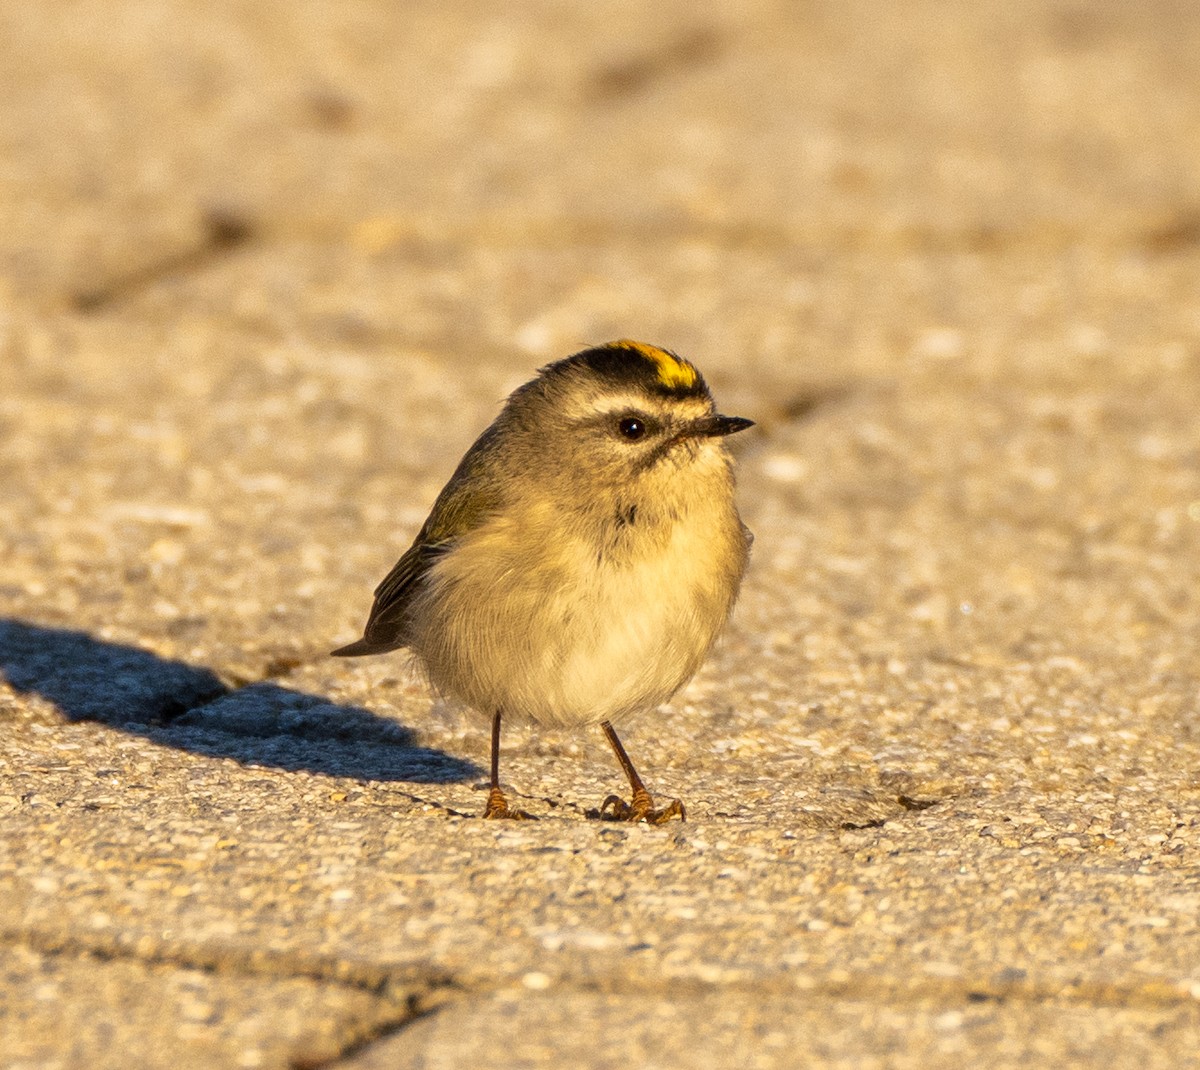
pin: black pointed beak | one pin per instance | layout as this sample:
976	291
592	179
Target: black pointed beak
714	426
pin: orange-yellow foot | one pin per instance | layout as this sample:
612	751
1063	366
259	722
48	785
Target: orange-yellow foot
497	807
641	809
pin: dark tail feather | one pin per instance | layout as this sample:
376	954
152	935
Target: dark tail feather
363	646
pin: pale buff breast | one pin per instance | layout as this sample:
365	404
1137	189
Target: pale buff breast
564	634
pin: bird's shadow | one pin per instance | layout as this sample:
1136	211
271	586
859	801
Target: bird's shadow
188	707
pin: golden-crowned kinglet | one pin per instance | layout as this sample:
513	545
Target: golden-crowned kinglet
583	557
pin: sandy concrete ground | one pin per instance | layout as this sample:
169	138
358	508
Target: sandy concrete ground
265	271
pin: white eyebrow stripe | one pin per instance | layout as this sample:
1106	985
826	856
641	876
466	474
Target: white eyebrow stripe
620	404
610	405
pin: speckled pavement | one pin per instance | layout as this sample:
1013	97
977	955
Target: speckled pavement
265	272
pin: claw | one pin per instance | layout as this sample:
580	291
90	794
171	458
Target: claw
642	809
498	808
619	805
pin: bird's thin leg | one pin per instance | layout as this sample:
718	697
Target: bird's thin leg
641	808
497	804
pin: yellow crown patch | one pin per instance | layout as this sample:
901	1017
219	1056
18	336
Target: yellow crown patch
672	371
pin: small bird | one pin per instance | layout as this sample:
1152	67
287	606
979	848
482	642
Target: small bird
583	557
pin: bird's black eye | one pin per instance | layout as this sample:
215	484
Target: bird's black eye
631	427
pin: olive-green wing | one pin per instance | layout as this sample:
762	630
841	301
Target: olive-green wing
464	501
386	625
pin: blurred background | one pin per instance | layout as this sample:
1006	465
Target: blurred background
459	176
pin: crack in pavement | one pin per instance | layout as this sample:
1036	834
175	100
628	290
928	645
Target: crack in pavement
406	995
223	229
223	959
439	986
401	996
